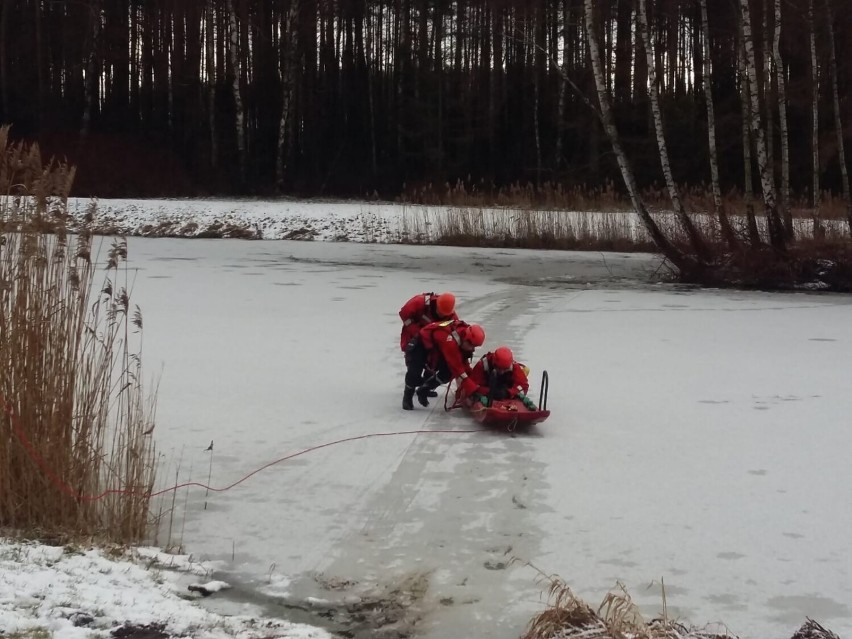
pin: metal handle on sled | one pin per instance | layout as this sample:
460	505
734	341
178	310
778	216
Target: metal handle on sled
542	394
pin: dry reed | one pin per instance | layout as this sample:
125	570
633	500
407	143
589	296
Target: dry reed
566	616
71	367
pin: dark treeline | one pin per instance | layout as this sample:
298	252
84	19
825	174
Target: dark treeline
352	97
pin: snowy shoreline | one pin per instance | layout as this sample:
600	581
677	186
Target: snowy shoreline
77	592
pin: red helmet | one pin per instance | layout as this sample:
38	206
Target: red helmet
445	304
474	334
503	358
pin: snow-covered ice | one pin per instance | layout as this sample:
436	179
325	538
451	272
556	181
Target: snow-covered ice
697	437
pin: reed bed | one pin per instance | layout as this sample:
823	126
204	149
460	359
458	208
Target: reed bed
76	420
554	195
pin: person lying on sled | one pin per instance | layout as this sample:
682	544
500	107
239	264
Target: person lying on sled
424	309
439	355
498	376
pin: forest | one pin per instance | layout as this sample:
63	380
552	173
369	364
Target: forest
390	98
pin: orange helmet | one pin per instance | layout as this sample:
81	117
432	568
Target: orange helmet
503	358
474	334
445	304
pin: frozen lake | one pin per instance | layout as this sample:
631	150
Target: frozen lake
701	437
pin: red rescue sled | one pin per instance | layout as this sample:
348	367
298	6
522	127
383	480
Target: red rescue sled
510	413
507	412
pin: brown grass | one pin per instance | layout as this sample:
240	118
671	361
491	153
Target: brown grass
71	367
566	616
550	195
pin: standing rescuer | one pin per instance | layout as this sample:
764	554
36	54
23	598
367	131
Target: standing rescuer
422	310
440	354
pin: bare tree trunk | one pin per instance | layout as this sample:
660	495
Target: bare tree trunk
818	230
748	179
211	79
90	87
782	123
39	61
367	57
239	115
724	223
695	239
537	72
4	59
767	87
563	87
838	125
290	42
681	261
773	220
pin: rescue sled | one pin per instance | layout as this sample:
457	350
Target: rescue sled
510	413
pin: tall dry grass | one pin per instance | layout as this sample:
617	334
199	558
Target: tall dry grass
70	367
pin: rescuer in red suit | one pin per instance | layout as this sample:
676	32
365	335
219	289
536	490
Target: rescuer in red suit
424	309
440	354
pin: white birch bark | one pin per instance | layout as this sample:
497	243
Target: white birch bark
767	85
748	179
211	80
719	208
786	213
689	229
776	229
90	86
818	230
563	87
4	58
607	120
239	114
838	125
367	57
290	42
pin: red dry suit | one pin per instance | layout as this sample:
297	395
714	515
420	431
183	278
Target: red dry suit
416	313
443	341
499	384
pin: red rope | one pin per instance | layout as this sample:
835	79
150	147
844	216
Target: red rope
68	490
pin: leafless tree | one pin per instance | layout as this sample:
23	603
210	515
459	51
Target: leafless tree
838	124
695	239
776	230
677	257
239	112
721	214
818	230
782	122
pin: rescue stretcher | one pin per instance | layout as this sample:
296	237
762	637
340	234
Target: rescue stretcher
509	413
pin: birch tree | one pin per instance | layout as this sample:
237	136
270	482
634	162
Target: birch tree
748	179
90	86
290	44
210	66
695	239
838	124
239	113
681	261
563	86
782	122
776	229
719	208
4	57
818	230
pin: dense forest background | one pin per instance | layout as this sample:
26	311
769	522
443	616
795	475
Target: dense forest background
383	97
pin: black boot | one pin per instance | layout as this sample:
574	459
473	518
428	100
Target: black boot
408	398
423	395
